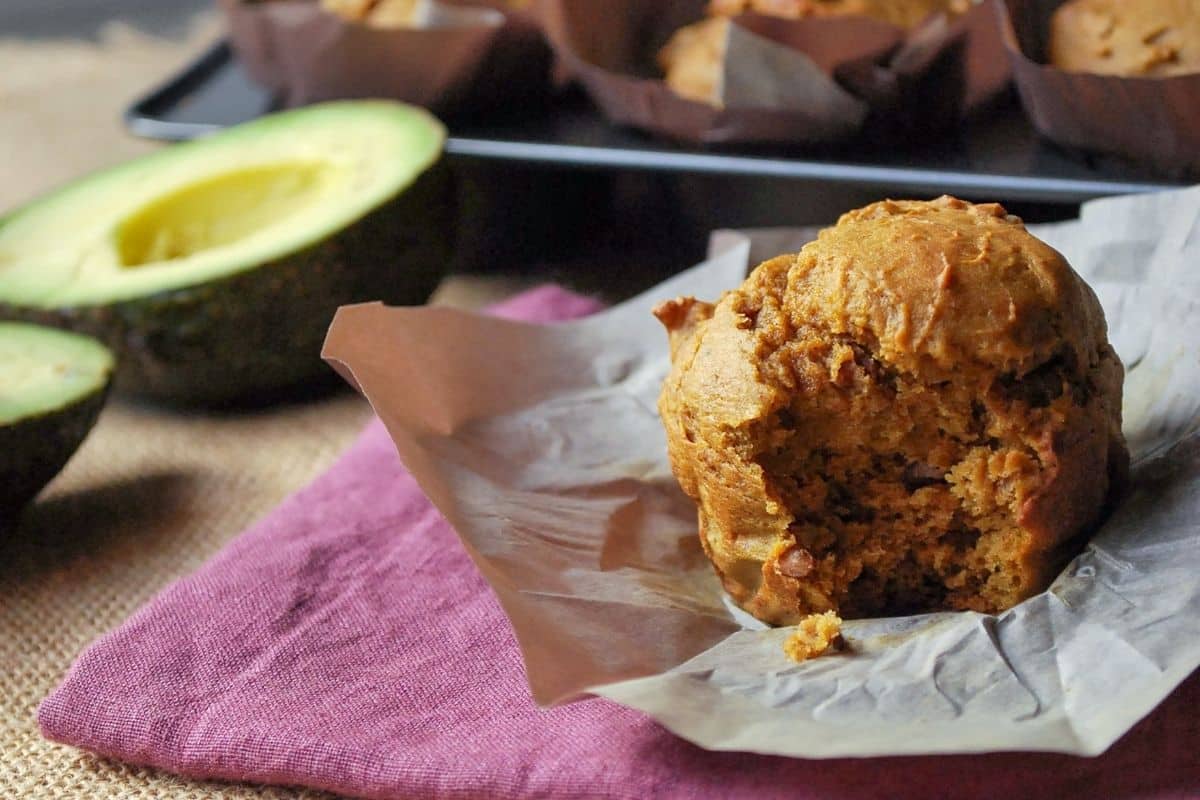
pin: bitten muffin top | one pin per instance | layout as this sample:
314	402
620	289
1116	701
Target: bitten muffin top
943	286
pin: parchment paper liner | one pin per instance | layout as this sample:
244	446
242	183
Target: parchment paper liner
543	448
488	59
1154	121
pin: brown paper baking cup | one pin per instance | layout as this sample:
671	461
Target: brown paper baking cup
1154	121
900	80
306	55
988	72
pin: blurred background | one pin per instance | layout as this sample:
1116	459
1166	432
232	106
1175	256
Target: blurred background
86	17
70	68
67	70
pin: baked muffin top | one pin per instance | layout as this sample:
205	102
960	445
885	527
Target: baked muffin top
942	286
1146	38
905	13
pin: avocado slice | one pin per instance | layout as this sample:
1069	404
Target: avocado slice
52	387
213	268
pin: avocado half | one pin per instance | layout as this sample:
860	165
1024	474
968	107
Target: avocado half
52	386
213	268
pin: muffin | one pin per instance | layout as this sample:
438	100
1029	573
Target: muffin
1149	38
919	411
693	58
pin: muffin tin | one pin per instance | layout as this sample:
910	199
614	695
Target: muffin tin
995	156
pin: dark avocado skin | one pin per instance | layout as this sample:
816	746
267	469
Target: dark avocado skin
257	333
35	449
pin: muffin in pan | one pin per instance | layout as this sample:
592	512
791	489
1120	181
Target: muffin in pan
1149	38
451	56
919	411
693	58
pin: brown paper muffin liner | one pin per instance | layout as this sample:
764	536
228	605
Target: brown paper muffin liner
989	75
1153	121
899	81
306	55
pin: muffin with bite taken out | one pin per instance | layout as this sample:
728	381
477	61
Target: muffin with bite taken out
918	411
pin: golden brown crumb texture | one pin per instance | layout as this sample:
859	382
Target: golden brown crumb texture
919	411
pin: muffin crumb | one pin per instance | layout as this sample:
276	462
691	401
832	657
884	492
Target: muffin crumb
815	635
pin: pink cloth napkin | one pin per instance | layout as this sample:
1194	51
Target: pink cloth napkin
346	642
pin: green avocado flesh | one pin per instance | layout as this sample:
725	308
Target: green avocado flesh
52	387
214	267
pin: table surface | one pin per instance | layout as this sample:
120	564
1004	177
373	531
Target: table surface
152	494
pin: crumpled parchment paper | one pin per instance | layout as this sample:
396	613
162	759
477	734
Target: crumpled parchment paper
543	448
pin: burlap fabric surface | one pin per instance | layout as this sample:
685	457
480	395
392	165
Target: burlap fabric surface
152	494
